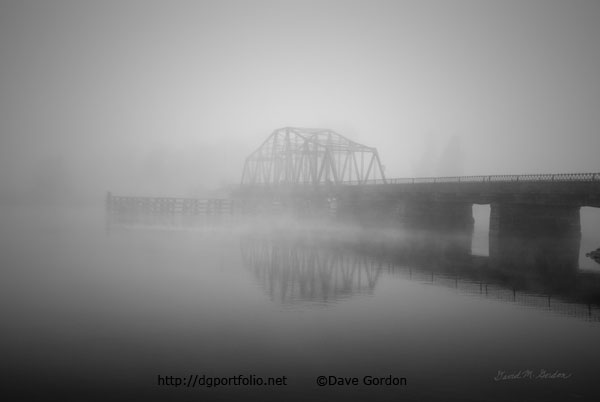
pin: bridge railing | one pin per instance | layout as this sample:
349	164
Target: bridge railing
560	177
549	177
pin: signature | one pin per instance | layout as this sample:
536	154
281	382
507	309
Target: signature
531	375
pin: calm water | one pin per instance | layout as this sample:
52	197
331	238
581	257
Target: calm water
96	314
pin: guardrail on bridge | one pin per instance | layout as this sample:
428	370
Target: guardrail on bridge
557	177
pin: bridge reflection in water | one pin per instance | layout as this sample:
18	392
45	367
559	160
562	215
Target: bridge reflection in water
293	269
296	269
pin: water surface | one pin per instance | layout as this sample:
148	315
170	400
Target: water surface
91	313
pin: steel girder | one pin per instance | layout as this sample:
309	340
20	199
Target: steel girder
292	156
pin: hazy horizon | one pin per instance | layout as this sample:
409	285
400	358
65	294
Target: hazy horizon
168	98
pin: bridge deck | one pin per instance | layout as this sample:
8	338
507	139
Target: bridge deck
577	189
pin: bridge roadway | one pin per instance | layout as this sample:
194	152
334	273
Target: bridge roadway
564	189
578	189
560	190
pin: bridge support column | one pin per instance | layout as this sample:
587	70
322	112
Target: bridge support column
543	237
433	214
365	209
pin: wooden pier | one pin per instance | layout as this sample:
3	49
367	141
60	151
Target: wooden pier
134	205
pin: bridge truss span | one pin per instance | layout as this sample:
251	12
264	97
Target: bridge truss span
293	156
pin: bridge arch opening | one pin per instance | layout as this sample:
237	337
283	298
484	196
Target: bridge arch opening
590	237
480	243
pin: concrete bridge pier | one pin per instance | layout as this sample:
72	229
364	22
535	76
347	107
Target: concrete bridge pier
422	213
366	210
409	213
316	206
543	237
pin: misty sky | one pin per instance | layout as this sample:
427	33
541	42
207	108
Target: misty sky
168	97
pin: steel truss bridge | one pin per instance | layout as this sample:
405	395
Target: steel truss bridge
318	172
293	156
308	155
